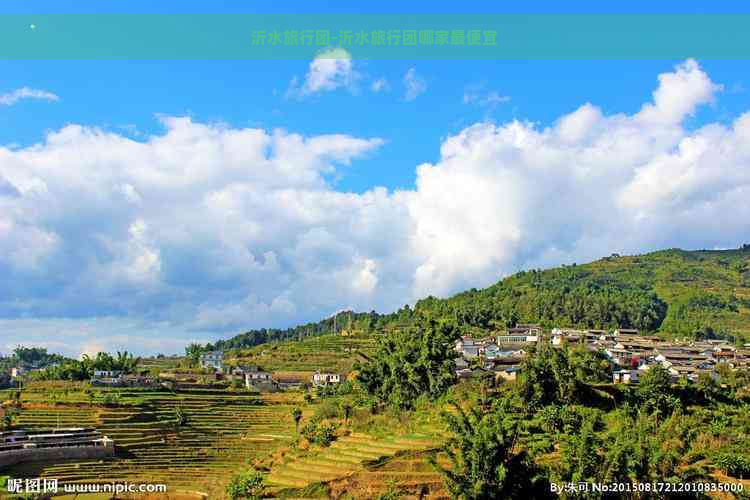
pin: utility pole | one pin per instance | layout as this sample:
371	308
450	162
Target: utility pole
334	323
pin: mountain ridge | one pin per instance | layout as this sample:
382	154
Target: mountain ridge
672	292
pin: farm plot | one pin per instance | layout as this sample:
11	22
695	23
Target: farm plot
220	435
345	457
332	353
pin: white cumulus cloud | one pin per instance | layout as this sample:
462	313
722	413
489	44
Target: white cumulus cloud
330	70
206	230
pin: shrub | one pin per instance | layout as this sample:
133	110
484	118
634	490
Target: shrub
327	409
246	485
733	464
320	433
9	417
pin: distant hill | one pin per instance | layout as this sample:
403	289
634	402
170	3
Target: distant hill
344	321
676	293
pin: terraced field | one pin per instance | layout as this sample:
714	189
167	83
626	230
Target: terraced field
224	432
410	474
332	353
346	457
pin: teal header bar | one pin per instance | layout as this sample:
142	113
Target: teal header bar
276	36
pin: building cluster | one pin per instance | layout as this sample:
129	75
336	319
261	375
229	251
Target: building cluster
257	379
629	353
24	446
117	378
12	377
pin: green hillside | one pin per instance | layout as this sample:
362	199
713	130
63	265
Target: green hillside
677	293
673	292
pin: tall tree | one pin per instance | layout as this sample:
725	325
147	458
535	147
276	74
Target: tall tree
547	377
485	463
411	361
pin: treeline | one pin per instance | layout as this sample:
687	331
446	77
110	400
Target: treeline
84	368
36	357
553	302
699	294
344	320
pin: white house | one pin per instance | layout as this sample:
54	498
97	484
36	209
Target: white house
491	351
257	377
468	347
562	335
625	376
517	339
213	359
107	377
619	356
326	378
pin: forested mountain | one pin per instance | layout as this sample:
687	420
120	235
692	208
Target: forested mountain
676	293
342	321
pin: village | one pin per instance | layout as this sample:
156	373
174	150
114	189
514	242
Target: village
629	353
123	423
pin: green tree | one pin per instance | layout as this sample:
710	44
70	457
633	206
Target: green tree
346	410
484	461
297	416
734	464
707	386
590	366
9	417
547	377
246	485
193	353
410	362
579	455
655	391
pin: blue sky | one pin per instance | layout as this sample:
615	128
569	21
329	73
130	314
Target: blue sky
146	204
122	94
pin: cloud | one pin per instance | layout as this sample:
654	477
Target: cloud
26	93
678	95
330	70
206	230
414	85
202	229
511	196
380	85
477	94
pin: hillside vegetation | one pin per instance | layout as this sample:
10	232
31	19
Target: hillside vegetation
676	293
327	353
